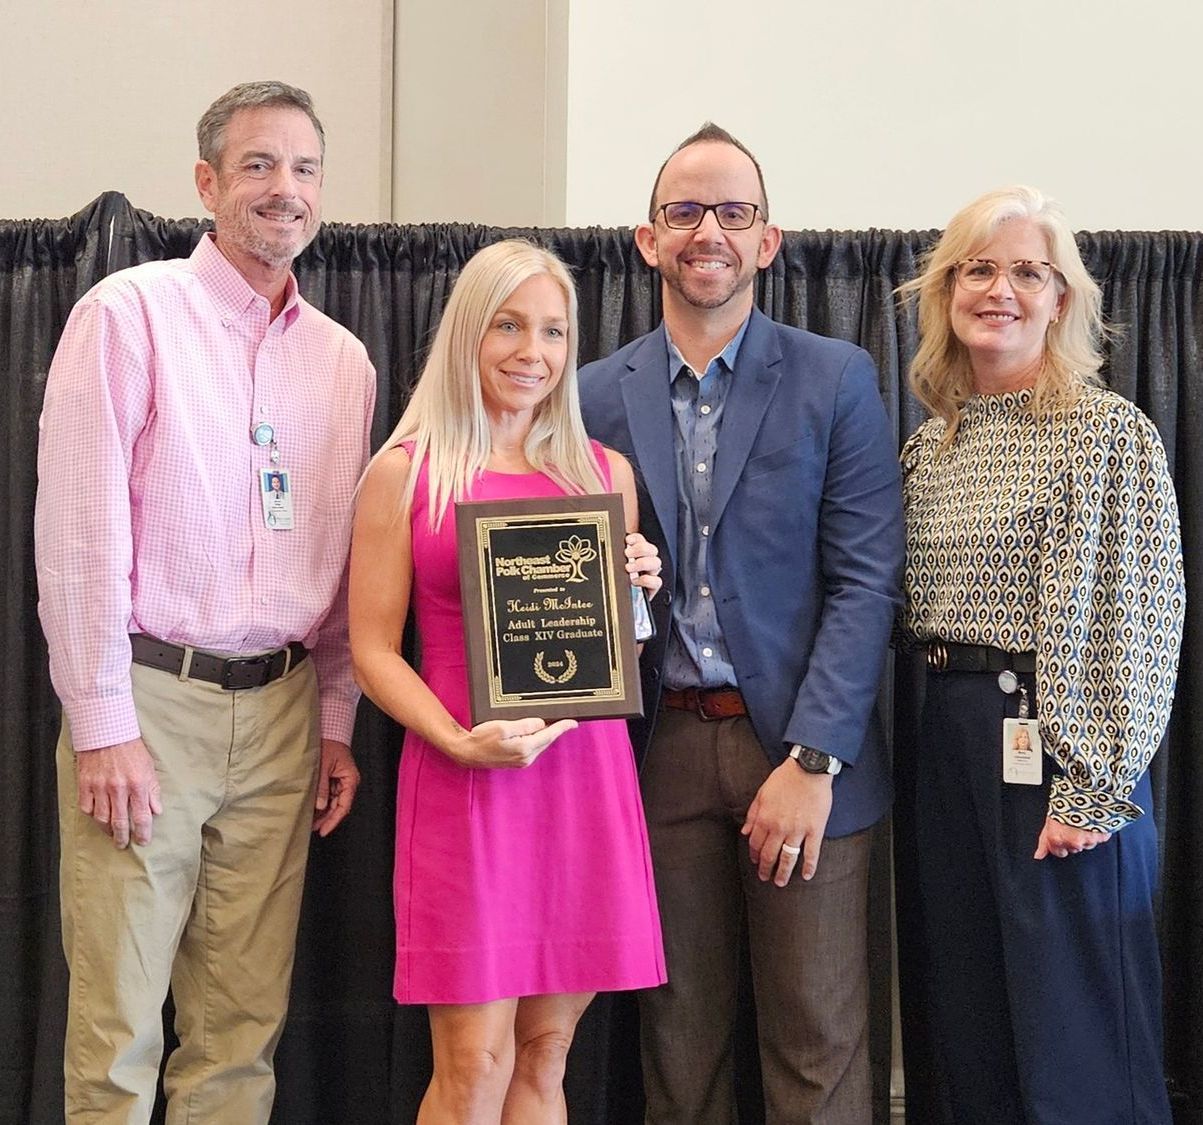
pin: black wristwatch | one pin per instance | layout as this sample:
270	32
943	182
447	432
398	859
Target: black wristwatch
815	761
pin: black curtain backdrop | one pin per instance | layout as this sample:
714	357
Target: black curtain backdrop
349	1055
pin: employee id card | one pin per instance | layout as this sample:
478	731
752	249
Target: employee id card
275	490
1022	755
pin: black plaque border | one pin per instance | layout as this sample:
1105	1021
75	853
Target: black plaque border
473	521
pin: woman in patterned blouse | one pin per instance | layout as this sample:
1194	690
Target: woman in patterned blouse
1044	578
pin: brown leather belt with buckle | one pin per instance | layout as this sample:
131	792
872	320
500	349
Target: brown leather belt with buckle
943	656
233	673
709	704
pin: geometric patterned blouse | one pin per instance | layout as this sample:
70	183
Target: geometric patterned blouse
1059	536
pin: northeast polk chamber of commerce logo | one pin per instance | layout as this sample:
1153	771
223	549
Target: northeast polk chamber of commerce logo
575	552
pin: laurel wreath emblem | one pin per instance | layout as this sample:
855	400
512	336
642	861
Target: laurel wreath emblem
547	677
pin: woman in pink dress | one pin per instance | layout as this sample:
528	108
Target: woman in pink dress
523	884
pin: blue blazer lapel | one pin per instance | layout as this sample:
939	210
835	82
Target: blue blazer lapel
645	395
753	383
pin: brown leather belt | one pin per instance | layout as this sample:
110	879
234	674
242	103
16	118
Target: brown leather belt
233	673
709	704
944	656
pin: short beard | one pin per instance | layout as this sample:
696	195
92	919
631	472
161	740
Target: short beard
263	252
243	234
709	301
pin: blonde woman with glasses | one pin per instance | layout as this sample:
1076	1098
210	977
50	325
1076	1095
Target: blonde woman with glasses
1044	580
523	883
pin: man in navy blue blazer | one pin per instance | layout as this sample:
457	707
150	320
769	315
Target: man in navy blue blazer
768	478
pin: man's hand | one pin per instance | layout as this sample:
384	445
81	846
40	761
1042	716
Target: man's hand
118	787
337	780
1062	840
791	809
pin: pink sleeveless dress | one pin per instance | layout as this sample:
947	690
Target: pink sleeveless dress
514	882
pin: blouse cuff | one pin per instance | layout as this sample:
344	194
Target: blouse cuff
1091	811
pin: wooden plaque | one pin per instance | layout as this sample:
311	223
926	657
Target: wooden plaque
547	610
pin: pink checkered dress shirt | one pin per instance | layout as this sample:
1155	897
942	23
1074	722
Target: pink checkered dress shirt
149	516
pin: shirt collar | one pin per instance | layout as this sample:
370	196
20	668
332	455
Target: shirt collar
230	291
726	357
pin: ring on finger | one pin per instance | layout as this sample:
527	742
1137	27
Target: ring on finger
791	849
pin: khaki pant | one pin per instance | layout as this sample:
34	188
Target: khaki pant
208	908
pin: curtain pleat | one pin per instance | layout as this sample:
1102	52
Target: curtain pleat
349	1054
45	267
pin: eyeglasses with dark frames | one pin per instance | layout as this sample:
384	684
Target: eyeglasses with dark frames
687	215
1025	276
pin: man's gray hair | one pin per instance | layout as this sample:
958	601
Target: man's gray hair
211	128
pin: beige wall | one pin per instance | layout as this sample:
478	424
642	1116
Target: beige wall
480	111
105	94
865	113
874	113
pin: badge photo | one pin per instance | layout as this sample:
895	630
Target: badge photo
275	490
1022	754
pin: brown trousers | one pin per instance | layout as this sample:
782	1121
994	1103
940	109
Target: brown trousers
808	945
208	908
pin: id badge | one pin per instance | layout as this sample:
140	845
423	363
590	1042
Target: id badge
275	490
1022	755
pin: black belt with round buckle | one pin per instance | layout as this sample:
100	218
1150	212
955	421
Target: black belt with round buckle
232	673
944	656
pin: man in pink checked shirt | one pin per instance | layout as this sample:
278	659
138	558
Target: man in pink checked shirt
196	621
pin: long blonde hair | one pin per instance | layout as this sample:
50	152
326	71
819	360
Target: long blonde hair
941	376
445	418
